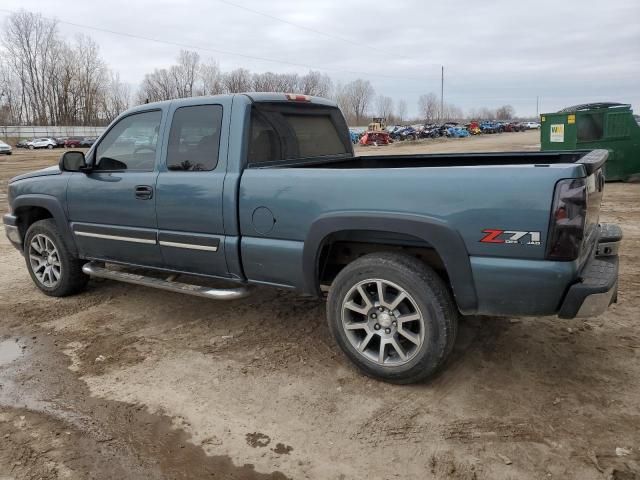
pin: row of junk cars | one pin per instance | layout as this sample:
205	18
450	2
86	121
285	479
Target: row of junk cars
48	143
377	133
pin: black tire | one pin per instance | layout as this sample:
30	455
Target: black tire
49	146
71	277
430	295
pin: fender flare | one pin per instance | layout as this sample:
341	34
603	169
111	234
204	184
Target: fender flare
445	240
54	206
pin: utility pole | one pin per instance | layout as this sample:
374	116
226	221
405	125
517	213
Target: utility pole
442	94
537	106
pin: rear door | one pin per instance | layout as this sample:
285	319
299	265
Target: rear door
190	187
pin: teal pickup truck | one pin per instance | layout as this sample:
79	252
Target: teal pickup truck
265	189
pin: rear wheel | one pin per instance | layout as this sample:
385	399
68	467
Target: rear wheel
52	267
393	316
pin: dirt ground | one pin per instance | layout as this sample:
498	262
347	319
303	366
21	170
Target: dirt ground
125	382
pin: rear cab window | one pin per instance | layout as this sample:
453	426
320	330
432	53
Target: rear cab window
286	134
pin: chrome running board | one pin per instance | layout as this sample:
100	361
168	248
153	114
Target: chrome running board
96	270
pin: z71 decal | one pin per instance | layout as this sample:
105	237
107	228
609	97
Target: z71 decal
510	236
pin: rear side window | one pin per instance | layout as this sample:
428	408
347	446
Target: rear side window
284	132
194	139
590	127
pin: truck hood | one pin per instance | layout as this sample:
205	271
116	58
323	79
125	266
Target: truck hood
54	170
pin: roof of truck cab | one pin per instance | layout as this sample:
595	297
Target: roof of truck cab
266	97
286	97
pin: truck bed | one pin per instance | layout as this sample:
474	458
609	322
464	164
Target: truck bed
443	160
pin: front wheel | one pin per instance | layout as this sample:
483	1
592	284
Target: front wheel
52	267
393	316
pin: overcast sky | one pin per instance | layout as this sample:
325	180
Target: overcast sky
494	51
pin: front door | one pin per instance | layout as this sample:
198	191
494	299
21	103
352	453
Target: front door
112	208
189	189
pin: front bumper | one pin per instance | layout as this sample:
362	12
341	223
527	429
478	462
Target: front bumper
598	286
12	230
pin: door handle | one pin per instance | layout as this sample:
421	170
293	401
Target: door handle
144	192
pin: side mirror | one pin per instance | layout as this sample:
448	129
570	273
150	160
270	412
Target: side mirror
72	162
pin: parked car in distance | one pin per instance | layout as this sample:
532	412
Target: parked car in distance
273	194
531	125
474	128
24	143
458	132
515	127
41	143
86	142
355	136
60	141
5	148
489	127
72	142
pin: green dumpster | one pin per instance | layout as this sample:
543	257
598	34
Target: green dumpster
597	125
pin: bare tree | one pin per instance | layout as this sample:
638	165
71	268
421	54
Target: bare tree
46	80
384	106
238	80
91	78
287	82
11	95
210	79
31	44
451	113
354	99
265	82
185	73
428	107
402	110
315	83
505	112
116	98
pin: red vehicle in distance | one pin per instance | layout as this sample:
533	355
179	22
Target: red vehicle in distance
72	142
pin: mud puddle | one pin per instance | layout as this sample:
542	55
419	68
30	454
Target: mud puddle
52	428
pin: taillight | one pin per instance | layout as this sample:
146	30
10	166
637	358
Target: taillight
568	214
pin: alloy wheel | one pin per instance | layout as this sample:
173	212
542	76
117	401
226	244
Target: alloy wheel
382	322
44	260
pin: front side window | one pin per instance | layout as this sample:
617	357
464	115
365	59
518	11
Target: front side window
131	144
194	139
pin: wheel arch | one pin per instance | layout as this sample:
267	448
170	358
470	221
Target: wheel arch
33	207
437	234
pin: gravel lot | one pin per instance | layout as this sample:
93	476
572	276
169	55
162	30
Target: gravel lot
125	382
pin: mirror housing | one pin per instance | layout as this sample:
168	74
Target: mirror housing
72	161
